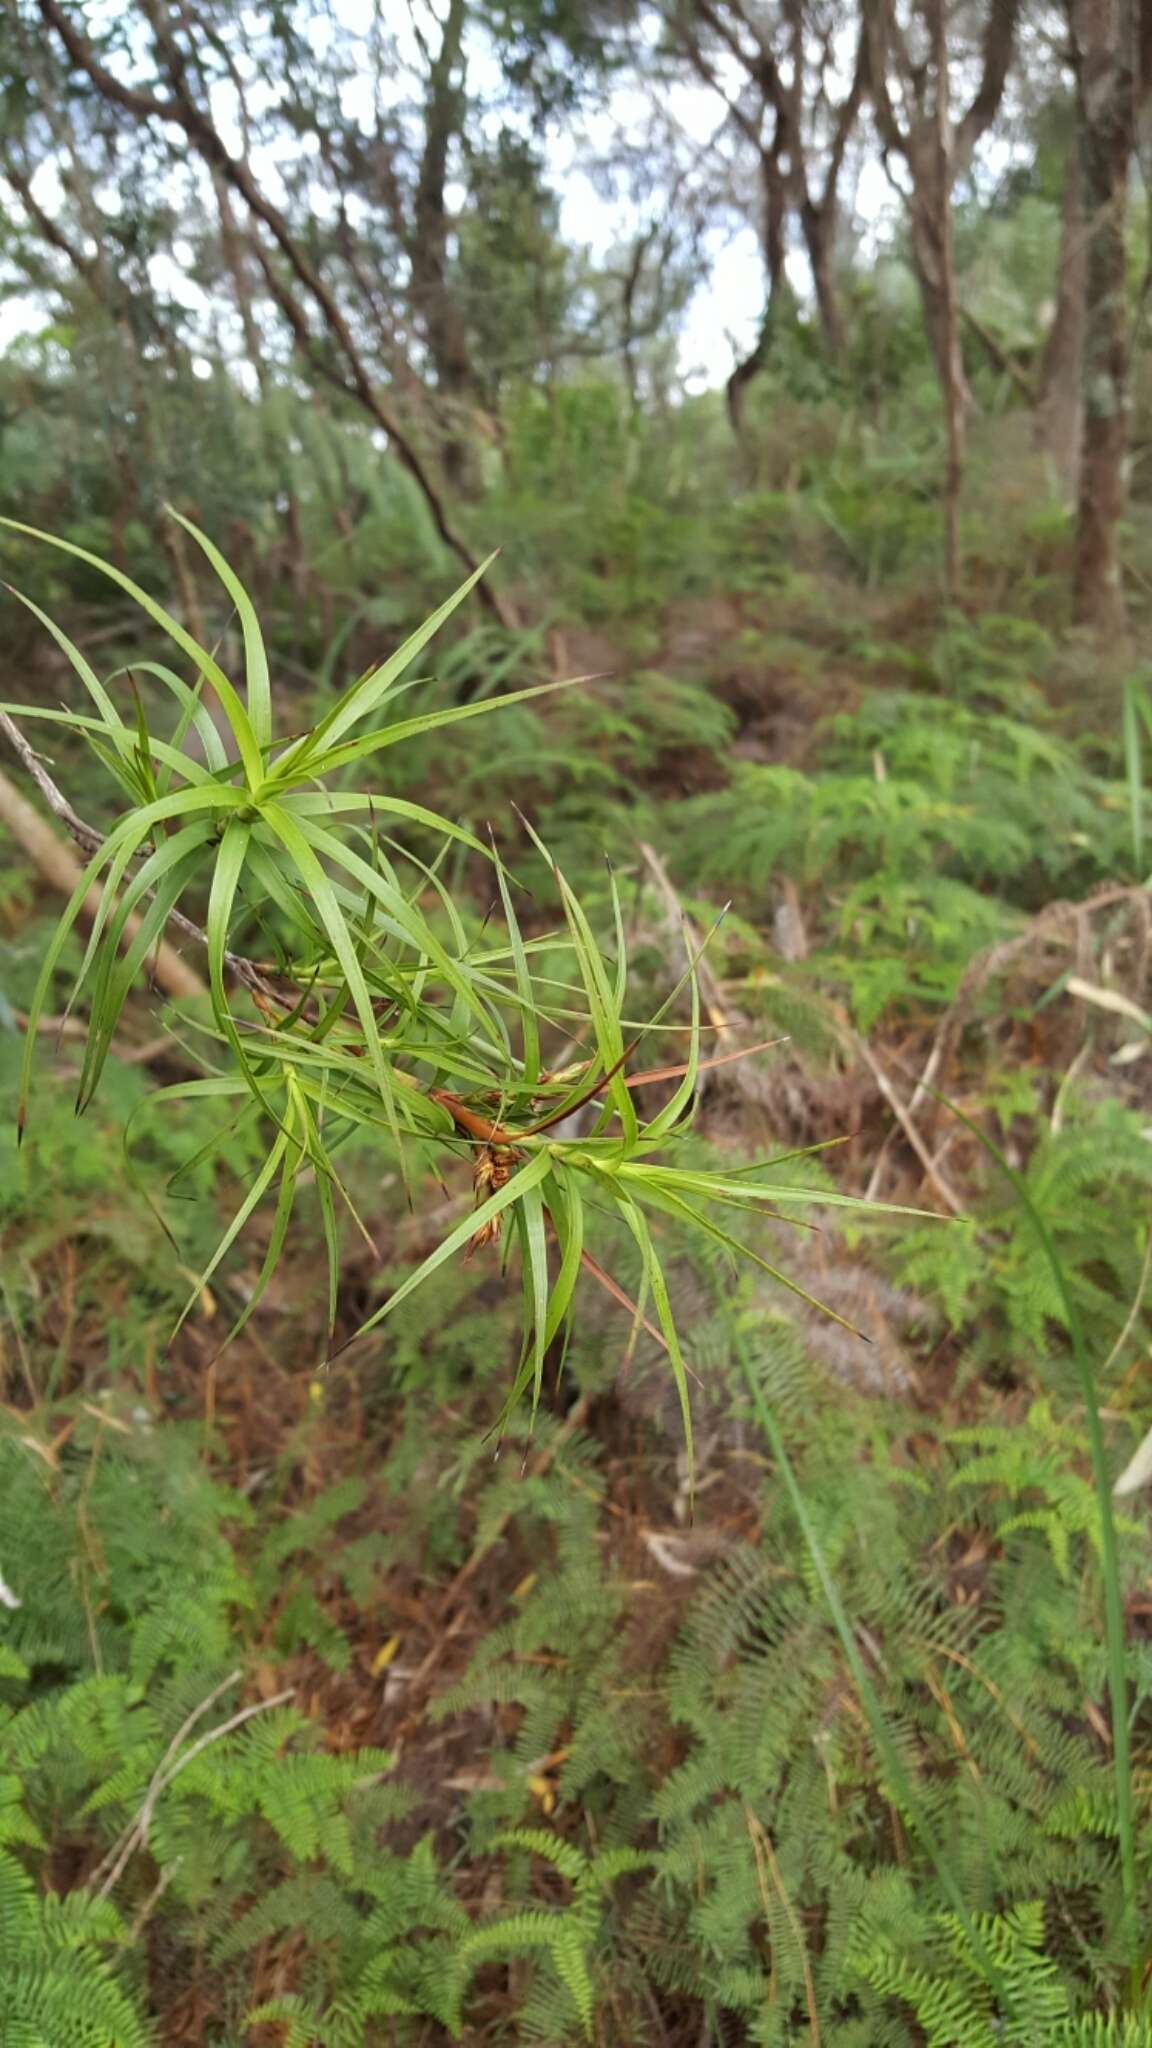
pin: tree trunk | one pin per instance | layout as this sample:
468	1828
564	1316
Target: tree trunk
952	364
819	226
933	157
929	263
1060	398
444	329
1104	35
774	200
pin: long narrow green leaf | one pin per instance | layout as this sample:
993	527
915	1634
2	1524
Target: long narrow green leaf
205	796
117	906
255	652
230	702
569	1223
911	1805
620	981
123	856
1134	768
364	696
293	1153
330	803
323	763
672	1205
400	917
48	965
112	990
251	1202
110	718
535	1242
230	863
718	1188
529	1176
117	764
328	910
193	711
528	1020
654	1275
684	1095
604	1013
1114	1622
276	885
325	1177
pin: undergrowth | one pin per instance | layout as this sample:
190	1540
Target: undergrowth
704	1823
343	1701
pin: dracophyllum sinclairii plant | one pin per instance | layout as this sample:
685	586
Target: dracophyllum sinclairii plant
380	1015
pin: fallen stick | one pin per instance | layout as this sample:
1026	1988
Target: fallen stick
58	865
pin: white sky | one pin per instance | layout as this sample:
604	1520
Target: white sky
722	319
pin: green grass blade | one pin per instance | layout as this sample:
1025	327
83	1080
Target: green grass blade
667	1118
231	860
657	1286
193	711
399	916
330	1235
898	1777
293	1152
174	866
252	1199
1134	772
110	718
529	1025
330	803
363	696
620	980
529	1176
48	965
322	763
722	1188
125	853
568	1219
255	653
530	1213
300	852
266	870
203	796
673	1205
1114	1624
230	702
604	1012
122	766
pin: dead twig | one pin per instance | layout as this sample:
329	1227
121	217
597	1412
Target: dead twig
142	1055
711	994
84	835
58	864
152	1901
942	1185
980	971
135	1835
170	971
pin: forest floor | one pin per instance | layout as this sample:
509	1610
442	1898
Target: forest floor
457	1556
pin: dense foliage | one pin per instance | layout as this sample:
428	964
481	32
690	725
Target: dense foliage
471	1567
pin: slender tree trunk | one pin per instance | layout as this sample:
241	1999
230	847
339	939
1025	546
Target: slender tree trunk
774	204
433	299
925	223
952	380
1104	35
1060	395
819	225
